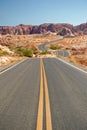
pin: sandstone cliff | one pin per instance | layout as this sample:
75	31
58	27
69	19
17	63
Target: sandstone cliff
62	29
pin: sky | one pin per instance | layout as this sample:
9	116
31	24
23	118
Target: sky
36	12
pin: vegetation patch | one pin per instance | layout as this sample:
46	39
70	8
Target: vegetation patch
2	53
44	52
34	49
24	52
55	47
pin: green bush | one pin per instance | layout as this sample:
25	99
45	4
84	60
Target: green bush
55	47
24	52
28	53
45	52
2	53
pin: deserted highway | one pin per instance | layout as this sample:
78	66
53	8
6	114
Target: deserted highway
43	46
61	52
43	94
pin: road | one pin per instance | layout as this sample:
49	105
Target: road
43	94
63	53
68	95
43	46
19	90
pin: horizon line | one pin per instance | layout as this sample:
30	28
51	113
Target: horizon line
41	24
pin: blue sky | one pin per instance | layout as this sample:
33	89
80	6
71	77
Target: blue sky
35	12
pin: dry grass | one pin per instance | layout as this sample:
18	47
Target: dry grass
26	40
77	42
79	59
77	47
15	42
9	60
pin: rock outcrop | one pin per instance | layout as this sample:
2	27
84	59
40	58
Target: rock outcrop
66	32
62	29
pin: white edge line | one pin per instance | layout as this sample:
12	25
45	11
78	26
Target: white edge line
72	65
3	71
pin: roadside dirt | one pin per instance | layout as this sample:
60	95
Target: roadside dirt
77	47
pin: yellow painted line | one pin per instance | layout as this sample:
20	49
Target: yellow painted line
40	108
43	80
47	102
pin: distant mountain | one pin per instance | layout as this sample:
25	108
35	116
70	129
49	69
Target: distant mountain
61	29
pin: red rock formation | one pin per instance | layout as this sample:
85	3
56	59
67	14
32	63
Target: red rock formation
44	28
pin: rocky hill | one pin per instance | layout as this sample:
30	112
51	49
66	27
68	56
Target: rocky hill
62	29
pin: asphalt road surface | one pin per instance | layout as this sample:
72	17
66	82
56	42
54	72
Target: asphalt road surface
63	53
43	94
19	90
68	95
43	46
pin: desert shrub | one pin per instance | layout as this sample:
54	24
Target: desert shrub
55	47
45	52
28	53
11	48
2	53
24	52
34	49
19	51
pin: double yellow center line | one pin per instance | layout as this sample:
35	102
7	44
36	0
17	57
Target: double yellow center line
43	88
